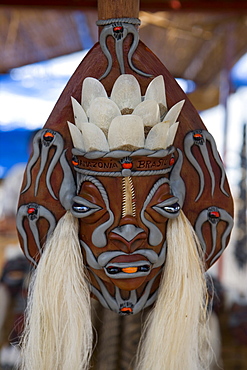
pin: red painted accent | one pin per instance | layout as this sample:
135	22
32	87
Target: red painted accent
175	4
127	165
75	163
126	309
172	161
48	134
118	28
31	210
215	214
198	135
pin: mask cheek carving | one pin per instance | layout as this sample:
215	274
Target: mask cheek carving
99	238
89	197
99	216
156	218
93	233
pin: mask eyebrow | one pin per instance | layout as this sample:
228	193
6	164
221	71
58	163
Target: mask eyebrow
85	202
167	202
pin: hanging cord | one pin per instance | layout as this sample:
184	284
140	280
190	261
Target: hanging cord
106	22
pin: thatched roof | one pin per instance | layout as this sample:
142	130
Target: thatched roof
192	45
197	46
33	35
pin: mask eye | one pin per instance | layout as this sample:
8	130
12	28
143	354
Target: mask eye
83	208
173	208
169	208
80	208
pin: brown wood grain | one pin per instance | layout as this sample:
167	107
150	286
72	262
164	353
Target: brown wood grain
118	9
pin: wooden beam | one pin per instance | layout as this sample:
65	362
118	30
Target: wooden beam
148	5
69	4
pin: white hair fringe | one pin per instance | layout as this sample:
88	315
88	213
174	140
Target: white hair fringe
175	334
58	330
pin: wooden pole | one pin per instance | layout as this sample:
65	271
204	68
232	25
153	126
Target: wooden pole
118	9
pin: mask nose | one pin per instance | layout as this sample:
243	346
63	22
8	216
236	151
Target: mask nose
128	237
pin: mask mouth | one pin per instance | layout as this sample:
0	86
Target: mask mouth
128	270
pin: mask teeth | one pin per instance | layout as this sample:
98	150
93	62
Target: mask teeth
128	203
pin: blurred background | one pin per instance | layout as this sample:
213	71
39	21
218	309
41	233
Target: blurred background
204	46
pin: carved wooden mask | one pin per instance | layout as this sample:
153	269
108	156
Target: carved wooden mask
134	156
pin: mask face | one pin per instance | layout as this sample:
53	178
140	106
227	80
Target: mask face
123	179
123	223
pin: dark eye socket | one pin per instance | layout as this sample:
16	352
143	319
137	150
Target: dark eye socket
80	208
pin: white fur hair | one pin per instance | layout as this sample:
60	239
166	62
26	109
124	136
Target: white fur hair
175	333
58	332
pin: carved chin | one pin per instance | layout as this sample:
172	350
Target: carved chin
130	284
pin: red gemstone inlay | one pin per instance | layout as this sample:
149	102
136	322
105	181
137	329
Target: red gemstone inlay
118	28
127	165
172	161
215	214
31	210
